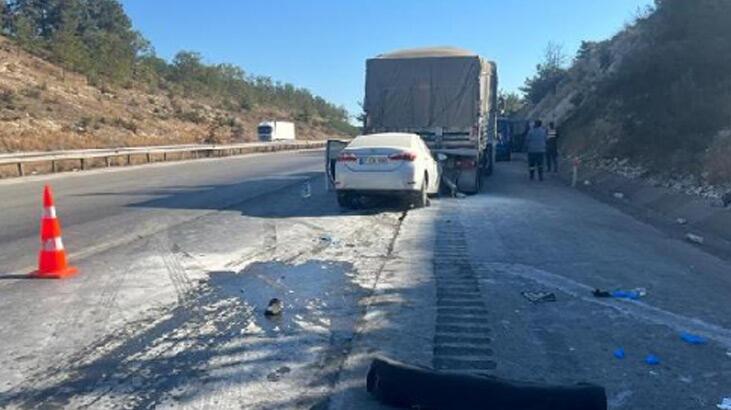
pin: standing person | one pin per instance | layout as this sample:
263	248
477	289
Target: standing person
536	145
552	148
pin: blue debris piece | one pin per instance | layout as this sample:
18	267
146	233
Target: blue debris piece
626	294
652	360
693	339
619	353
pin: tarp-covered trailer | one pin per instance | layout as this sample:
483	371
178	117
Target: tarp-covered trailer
446	95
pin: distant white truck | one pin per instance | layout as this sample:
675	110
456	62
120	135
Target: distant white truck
276	131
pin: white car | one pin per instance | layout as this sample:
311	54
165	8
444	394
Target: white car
393	164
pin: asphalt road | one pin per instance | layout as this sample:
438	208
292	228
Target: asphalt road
178	261
101	209
548	239
177	264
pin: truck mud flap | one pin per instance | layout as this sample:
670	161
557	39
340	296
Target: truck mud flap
406	386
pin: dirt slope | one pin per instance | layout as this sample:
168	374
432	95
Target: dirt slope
44	107
653	99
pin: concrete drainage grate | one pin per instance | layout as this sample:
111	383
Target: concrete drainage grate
462	337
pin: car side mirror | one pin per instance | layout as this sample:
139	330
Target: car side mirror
441	157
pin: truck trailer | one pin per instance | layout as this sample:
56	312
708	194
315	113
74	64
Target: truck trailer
446	95
275	131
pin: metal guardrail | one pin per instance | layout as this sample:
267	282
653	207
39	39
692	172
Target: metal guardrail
149	153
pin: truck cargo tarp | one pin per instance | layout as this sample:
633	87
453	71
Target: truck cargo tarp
421	93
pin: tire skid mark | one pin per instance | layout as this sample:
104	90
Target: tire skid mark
175	270
137	367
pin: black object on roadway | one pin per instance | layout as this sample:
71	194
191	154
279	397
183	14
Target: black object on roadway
407	386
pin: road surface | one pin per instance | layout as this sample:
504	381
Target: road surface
178	261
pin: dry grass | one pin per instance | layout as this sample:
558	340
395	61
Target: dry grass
43	108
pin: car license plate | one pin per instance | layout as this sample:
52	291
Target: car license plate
373	160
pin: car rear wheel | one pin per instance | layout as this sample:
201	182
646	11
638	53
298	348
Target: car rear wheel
422	197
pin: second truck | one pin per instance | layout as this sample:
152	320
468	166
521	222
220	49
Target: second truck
446	95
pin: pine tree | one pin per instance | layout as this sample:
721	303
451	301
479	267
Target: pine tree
66	44
3	16
25	33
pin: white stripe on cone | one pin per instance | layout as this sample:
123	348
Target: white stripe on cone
49	212
52	245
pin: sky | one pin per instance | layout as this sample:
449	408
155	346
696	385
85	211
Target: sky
322	45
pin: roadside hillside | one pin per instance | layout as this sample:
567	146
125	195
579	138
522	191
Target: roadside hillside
45	107
76	74
654	100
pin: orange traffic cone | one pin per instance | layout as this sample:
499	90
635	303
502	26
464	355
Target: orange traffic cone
52	258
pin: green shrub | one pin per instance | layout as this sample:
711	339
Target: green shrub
190	116
7	99
125	124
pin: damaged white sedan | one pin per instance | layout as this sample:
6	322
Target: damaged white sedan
389	164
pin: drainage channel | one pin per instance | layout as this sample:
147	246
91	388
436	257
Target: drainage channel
462	337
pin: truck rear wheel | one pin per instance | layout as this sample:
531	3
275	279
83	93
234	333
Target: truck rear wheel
469	181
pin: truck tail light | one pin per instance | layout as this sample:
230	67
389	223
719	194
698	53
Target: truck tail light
347	157
466	163
403	156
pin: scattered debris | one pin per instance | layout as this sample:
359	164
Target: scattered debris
728	353
306	190
587	183
681	221
276	375
539	297
725	403
652	360
692	339
618	195
404	386
633	294
251	329
598	293
274	308
619	353
694	238
460	195
625	294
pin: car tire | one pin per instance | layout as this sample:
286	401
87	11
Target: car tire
422	198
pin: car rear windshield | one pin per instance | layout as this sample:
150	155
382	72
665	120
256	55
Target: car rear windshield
382	140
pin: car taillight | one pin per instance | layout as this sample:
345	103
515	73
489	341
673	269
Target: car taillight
347	157
403	156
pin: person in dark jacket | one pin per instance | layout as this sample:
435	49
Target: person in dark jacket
552	148
535	143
